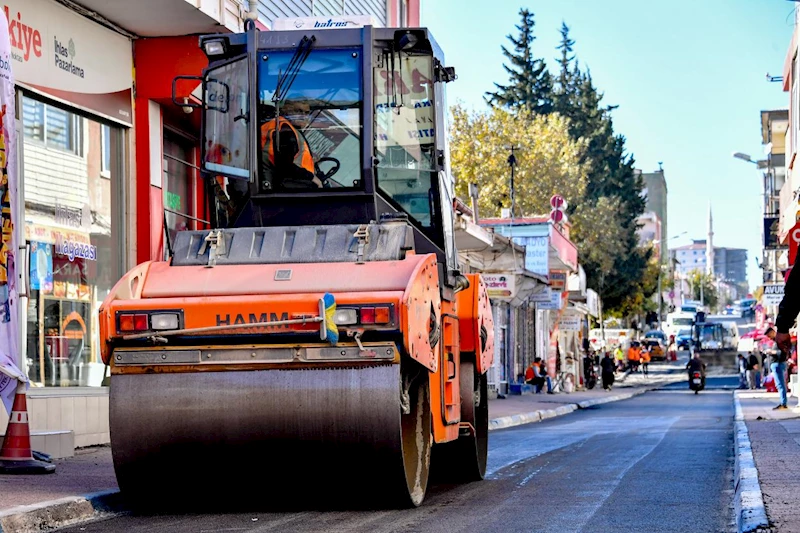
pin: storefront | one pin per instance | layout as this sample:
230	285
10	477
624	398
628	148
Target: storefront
74	112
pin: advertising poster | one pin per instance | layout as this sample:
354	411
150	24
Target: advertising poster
500	285
41	275
9	332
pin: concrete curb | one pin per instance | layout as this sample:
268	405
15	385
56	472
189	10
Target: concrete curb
543	414
751	514
47	516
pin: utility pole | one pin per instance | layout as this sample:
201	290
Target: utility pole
512	162
702	300
660	268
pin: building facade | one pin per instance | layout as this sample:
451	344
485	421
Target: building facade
107	173
655	216
780	205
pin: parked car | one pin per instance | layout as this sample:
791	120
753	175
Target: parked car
684	339
657	349
657	334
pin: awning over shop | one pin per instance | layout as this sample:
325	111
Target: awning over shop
470	236
579	307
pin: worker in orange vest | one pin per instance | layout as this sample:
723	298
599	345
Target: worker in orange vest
634	354
292	167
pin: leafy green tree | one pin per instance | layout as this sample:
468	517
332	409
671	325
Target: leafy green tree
530	85
700	281
548	159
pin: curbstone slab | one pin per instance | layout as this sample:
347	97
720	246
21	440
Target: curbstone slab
608	399
751	514
543	414
47	516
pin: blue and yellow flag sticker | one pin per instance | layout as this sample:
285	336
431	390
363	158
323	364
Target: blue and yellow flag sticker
331	331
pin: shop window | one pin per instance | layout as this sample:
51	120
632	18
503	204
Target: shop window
71	228
55	127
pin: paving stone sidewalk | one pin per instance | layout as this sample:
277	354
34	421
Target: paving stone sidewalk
775	441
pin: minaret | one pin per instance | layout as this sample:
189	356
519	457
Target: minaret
710	244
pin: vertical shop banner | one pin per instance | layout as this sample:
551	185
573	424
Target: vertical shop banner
9	301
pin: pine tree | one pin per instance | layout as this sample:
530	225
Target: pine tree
568	72
530	85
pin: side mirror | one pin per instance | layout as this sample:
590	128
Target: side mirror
445	74
183	101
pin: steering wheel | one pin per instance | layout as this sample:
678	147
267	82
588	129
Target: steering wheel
325	176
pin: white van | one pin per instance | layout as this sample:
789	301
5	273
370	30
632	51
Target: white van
677	321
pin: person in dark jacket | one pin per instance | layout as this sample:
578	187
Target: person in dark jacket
607	367
696	364
787	312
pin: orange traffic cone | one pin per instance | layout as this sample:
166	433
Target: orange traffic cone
16	456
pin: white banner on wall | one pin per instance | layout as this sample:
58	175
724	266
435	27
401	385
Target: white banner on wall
9	295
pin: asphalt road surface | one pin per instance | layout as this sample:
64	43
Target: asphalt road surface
661	461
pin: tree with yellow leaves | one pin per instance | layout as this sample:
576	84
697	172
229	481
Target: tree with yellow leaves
548	160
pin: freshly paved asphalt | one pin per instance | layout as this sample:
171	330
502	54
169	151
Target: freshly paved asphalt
659	462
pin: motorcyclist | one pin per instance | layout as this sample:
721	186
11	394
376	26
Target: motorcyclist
696	364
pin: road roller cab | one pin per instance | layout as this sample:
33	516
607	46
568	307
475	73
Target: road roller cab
321	327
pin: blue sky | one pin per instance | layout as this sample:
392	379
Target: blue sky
689	77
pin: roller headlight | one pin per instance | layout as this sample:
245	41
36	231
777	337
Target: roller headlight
345	317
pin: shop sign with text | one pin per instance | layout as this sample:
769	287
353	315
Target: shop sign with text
570	321
773	294
558	280
56	51
554	304
500	285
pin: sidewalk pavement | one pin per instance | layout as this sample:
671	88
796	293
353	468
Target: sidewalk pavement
773	437
514	410
84	487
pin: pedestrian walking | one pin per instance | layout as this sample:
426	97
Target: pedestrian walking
787	313
755	361
778	364
752	367
607	369
742	366
619	357
672	349
644	357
